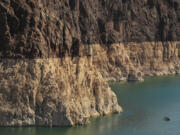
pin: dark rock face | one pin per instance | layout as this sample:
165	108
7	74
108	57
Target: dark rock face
51	28
38	88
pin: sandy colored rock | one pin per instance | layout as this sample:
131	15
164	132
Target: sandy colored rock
56	55
52	92
131	61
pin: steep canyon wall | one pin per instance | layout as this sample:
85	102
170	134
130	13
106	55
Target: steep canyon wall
56	55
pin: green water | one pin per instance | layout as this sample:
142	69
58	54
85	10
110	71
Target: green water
145	105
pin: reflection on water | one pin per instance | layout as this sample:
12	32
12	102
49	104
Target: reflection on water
145	104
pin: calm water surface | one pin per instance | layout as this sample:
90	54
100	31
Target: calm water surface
145	104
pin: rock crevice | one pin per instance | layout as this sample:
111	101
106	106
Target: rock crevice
51	92
56	55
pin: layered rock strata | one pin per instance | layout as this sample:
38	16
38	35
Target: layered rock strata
52	74
131	61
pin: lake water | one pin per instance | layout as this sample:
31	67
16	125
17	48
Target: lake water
145	105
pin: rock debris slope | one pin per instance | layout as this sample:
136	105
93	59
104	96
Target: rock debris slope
55	55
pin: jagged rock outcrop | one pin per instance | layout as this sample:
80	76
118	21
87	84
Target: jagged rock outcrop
50	69
52	92
46	77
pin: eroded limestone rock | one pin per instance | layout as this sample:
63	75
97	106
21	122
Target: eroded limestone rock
52	92
131	61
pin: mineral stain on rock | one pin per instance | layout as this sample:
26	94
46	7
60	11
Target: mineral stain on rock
56	56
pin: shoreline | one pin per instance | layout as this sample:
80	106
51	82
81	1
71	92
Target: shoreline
68	91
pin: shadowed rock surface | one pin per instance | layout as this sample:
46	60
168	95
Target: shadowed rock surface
55	55
53	28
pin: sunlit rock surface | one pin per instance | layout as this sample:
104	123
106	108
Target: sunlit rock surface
56	55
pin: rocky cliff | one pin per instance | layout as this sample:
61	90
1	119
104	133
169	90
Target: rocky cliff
53	28
132	61
52	92
56	55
